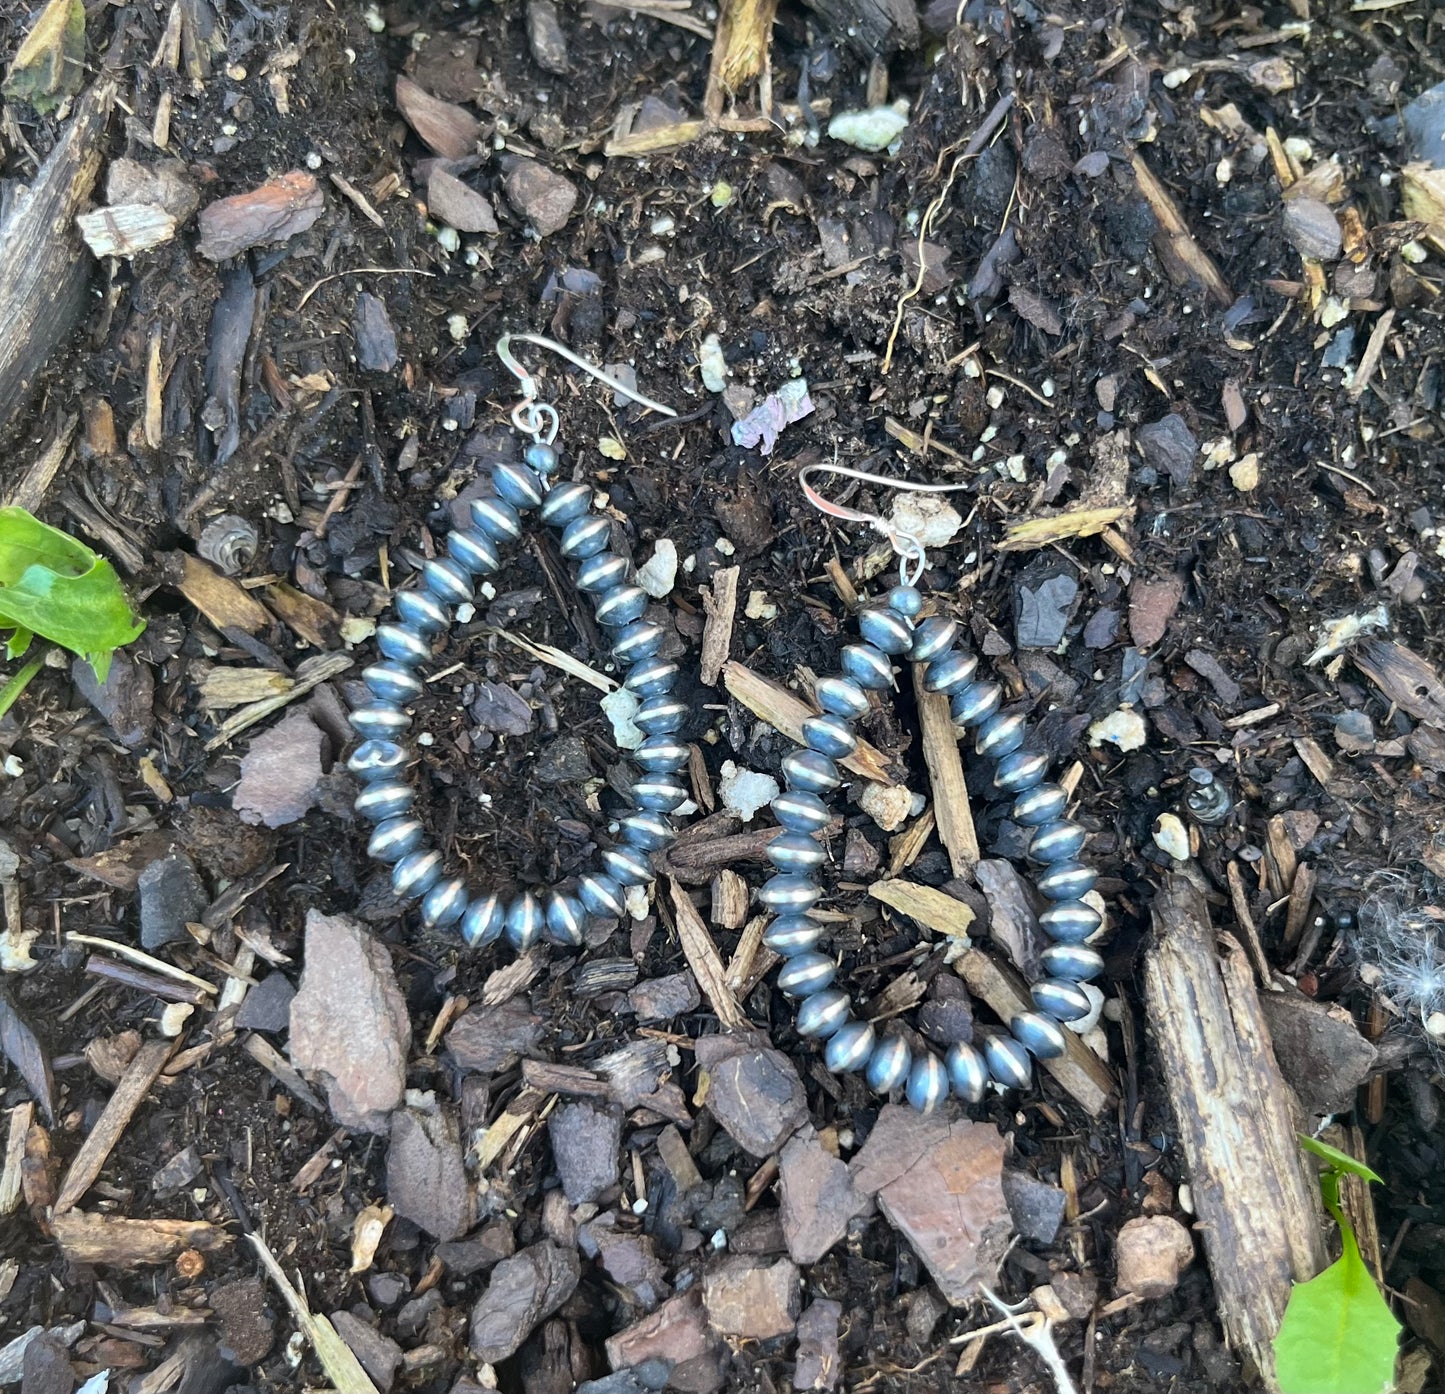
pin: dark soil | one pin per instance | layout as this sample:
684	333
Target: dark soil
1086	335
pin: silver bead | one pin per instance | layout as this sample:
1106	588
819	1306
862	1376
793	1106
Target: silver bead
824	1013
448	580
649	831
975	703
564	502
795	852
474	550
933	638
654	677
1062	1000
1074	963
565	919
804	974
660	754
1066	881
373	760
867	666
483	921
601	572
384	799
629	865
660	715
541	456
907	600
444	904
602	896
849	1048
379	721
927	1082
621	605
793	934
889	1064
801	812
497	518
1020	771
392	682
422	611
1059	841
811	772
659	793
1040	1035
1070	921
885	630
967	1072
403	643
639	640
586	536
416	873
843	697
789	893
829	735
1039	805
1008	1062
1001	735
517	484
1208	800
395	839
524	921
951	673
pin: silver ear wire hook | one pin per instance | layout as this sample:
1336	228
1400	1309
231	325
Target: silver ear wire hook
911	559
529	415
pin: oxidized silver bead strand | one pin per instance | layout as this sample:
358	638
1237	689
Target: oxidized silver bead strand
889	631
381	760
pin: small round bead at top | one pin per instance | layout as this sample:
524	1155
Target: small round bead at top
888	1063
421	615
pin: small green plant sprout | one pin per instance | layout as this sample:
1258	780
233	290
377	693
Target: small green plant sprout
1338	1335
56	587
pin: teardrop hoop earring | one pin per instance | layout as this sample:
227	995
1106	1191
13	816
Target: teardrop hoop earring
519	487
896	628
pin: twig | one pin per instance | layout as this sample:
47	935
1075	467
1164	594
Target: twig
363	271
1039	1337
1370	359
721	603
951	808
703	958
1184	259
142	960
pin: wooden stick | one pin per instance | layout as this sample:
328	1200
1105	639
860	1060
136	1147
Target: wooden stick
786	713
934	908
951	807
1237	1120
704	959
1078	1070
1184	259
1245	921
139	1075
92	1238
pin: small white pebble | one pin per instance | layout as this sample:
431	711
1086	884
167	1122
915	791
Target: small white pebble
458	328
1124	728
759	607
725	547
372	18
466	612
425	738
450	240
639	1206
994	397
663	227
1171	836
620	706
658	574
744	792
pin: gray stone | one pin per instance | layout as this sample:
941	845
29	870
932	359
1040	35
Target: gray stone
1037	1207
491	1039
501	709
376	350
349	1022
751	1299
171	896
818	1362
180	1171
816	1198
1424	122
426	1178
480	1251
124	700
280	773
753	1091
545	36
267	1006
661	999
1170	447
451	201
379	1355
1312	228
542	196
586	1139
1320	1050
524	1290
1043	611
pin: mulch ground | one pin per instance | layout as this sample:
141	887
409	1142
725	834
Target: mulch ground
267	431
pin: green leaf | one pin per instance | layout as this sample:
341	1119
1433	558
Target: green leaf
1338	1335
55	586
1341	1161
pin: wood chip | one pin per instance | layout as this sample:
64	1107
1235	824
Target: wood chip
121	1243
217	597
1034	533
786	713
1370	359
1184	259
312	673
280	1068
11	1180
1078	1070
936	910
703	958
1315	759
1404	677
951	809
720	602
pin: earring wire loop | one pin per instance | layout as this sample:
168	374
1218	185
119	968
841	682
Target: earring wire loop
528	413
911	558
